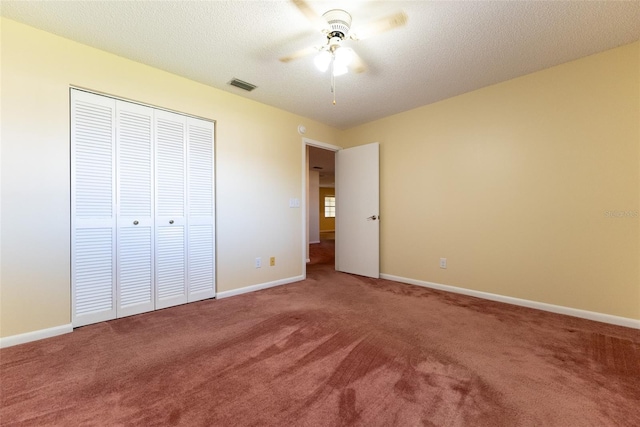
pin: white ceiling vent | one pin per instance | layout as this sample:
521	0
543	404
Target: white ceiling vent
242	84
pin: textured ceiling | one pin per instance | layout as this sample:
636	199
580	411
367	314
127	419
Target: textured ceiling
446	48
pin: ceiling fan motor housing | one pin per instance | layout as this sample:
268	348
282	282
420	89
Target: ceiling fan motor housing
339	22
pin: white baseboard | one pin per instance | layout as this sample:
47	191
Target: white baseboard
314	242
35	335
63	329
258	287
308	260
575	312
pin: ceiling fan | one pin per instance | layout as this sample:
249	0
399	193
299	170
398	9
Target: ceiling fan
335	24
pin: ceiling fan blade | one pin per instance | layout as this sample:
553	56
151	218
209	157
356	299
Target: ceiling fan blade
380	26
299	54
310	14
357	64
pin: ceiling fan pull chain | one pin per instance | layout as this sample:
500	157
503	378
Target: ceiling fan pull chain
333	89
333	81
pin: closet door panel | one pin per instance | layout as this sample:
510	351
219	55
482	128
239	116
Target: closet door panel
171	193
135	270
134	146
93	275
201	247
171	265
201	266
93	240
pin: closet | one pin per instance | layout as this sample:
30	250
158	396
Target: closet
142	208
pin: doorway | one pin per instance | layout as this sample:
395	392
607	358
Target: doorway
319	194
357	230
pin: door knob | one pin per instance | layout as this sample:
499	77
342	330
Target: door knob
170	221
372	218
136	222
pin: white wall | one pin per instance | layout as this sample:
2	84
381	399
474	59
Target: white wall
314	206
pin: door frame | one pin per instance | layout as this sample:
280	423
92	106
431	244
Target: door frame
305	194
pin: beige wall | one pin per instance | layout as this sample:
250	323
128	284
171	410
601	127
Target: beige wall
258	152
512	184
326	224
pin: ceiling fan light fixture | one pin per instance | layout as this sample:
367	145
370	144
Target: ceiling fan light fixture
335	24
343	56
339	70
322	61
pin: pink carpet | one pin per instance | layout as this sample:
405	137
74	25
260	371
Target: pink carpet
332	350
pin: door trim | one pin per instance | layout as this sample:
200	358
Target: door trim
304	205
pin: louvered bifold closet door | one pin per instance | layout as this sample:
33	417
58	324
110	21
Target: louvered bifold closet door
171	194
200	201
135	266
93	217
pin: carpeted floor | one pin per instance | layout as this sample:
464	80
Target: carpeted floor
334	349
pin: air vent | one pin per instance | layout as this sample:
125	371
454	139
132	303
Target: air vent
242	85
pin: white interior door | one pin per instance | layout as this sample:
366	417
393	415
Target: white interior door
357	210
200	201
93	218
135	266
171	224
143	208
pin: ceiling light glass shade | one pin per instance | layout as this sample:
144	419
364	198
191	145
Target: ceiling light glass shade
338	69
343	56
322	61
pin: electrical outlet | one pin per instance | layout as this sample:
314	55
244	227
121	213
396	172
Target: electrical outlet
443	263
272	261
258	262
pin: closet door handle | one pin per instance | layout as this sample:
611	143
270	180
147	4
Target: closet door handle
136	222
170	221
